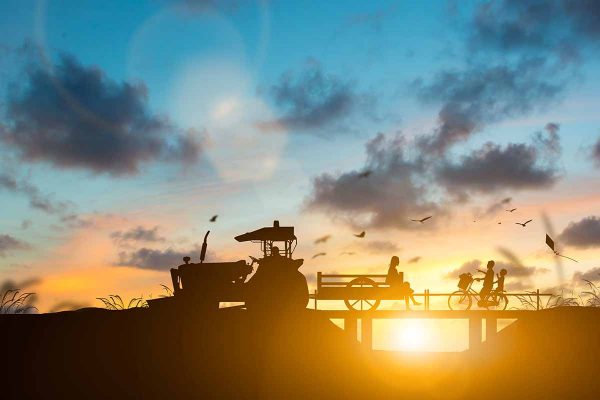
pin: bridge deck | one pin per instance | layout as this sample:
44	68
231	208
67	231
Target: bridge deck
430	314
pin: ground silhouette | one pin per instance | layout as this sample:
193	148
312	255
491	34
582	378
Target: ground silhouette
172	353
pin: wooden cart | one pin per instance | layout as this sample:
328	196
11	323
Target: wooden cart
360	292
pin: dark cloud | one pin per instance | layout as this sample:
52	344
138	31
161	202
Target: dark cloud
592	275
155	259
492	168
483	94
596	153
73	116
560	27
584	233
138	234
9	243
314	99
392	194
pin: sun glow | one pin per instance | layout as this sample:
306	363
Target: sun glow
411	335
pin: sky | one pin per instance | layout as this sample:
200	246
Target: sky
124	127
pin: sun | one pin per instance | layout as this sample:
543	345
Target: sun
411	335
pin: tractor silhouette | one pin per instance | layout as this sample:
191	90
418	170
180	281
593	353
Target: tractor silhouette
276	284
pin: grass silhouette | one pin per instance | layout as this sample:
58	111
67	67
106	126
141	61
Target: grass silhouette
593	293
15	302
115	302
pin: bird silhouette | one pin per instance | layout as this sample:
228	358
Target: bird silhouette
365	174
213	218
499	223
511	210
319	255
322	239
414	260
361	235
421	220
349	253
524	223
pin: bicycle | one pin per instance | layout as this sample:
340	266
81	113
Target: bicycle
463	299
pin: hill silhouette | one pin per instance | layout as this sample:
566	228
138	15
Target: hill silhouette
233	353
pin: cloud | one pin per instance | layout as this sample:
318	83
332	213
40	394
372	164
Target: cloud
592	275
36	199
146	258
138	234
414	260
492	168
40	201
596	153
584	233
497	207
314	99
559	27
392	194
74	117
26	224
513	271
9	243
483	94
380	246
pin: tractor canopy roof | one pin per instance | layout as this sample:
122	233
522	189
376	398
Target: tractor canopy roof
270	233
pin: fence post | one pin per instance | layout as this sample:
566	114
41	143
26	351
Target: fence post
474	332
315	299
538	299
366	332
426	299
350	326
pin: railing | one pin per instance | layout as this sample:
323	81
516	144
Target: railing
426	295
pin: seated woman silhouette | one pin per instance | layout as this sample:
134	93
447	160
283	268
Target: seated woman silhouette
396	281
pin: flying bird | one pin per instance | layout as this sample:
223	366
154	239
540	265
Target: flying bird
499	223
511	210
365	174
550	244
213	218
414	260
524	223
421	220
361	235
350	253
319	255
322	239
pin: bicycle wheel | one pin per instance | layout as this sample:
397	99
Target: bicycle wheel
459	300
497	302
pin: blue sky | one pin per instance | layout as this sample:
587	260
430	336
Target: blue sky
281	100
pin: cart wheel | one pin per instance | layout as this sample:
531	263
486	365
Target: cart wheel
459	300
362	304
502	302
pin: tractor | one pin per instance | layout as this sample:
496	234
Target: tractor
272	282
